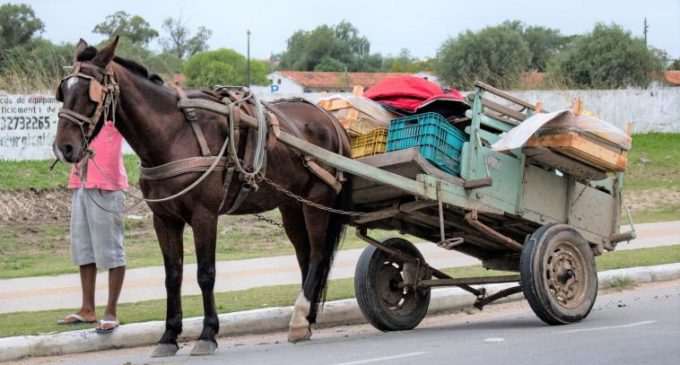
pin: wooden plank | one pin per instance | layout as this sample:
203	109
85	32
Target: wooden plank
504	95
546	157
602	155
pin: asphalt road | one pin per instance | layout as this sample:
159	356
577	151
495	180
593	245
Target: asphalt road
639	326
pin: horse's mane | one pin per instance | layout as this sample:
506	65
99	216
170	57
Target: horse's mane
90	52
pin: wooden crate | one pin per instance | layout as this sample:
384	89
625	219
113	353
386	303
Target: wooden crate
585	148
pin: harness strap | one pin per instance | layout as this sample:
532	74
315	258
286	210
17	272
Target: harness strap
180	167
190	115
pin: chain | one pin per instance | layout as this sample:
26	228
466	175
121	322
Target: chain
269	220
314	204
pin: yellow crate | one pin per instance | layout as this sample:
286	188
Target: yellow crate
369	144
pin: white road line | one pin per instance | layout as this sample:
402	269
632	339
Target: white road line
366	361
609	327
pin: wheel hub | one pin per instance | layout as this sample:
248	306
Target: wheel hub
565	276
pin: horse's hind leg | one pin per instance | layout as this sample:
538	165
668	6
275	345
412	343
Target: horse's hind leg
295	227
321	253
204	225
169	233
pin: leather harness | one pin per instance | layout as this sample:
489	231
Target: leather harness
226	163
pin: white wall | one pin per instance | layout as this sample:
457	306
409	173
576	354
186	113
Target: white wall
650	110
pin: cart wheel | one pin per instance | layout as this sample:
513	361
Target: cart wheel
558	274
383	301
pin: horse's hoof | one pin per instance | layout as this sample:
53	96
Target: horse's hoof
299	334
165	350
203	347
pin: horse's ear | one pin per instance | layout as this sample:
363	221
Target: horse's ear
80	47
105	56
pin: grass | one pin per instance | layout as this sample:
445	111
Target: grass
654	162
32	323
618	283
43	249
20	175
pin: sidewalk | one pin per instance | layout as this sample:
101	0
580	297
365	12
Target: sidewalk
63	291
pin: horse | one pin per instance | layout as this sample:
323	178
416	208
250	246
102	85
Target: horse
103	85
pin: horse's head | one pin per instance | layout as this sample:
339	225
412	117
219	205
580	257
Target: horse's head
88	95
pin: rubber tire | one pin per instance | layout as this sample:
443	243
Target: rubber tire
376	311
533	280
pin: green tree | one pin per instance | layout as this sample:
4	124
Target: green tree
164	64
18	24
180	42
404	62
497	55
607	58
675	65
134	28
223	67
36	66
338	48
544	44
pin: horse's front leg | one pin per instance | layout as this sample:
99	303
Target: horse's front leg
204	225
169	233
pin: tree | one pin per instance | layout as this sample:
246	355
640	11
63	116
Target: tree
544	44
497	55
180	42
164	64
18	24
338	48
675	65
134	28
607	58
223	67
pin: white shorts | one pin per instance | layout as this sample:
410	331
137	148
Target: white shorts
97	228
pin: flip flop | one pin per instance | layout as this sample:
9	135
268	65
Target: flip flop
78	320
102	330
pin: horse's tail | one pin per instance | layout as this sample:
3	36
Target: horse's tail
334	234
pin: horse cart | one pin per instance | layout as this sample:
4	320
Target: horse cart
530	211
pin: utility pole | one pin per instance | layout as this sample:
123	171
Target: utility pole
248	59
645	30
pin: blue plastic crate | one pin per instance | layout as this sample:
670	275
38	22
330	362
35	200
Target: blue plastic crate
437	140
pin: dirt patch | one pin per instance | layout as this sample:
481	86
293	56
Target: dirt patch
651	199
40	206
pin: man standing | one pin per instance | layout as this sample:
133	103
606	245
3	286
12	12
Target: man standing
97	225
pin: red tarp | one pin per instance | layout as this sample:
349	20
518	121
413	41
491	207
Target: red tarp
413	94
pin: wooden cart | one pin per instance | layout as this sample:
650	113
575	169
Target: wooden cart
514	211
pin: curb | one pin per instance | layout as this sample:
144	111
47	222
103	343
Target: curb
335	313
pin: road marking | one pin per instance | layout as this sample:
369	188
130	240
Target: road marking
608	327
400	356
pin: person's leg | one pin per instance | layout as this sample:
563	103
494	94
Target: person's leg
82	255
88	280
106	226
116	276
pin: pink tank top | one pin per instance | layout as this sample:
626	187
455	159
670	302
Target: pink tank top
108	155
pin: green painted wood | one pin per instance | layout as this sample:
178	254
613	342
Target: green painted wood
354	167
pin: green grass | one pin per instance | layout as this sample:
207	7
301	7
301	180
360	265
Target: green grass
32	323
618	283
43	249
654	162
20	175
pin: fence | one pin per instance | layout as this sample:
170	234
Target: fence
28	123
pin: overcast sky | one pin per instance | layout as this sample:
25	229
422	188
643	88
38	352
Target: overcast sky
418	25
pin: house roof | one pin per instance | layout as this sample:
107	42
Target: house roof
672	77
333	80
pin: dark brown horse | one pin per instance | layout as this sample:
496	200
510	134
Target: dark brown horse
147	115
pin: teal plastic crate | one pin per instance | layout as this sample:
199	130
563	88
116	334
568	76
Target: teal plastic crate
437	140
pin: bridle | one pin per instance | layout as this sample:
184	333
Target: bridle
104	94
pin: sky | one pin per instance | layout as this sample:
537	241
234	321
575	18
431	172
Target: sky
420	26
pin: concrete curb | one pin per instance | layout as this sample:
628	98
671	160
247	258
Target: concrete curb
266	320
